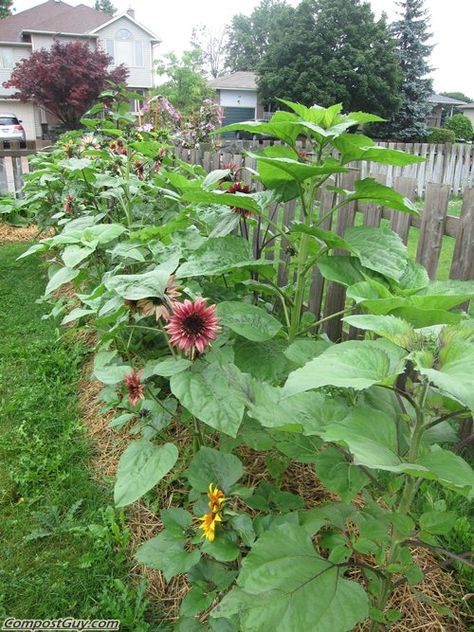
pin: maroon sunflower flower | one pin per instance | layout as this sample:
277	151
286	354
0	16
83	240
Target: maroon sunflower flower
193	326
240	187
134	386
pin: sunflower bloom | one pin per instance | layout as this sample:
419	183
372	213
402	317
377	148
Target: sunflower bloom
134	386
240	187
216	498
193	326
208	525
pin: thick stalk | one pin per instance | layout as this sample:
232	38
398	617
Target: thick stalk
406	500
300	287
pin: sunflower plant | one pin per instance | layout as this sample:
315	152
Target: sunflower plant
175	270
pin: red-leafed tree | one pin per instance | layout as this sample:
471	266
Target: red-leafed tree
65	80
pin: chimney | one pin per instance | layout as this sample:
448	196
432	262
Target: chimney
131	13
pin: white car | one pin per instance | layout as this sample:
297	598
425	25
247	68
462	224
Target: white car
11	128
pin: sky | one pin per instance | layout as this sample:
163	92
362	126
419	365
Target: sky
451	25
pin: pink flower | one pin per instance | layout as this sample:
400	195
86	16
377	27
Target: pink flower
135	389
193	326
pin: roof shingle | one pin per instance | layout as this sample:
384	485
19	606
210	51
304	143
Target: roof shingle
234	81
54	16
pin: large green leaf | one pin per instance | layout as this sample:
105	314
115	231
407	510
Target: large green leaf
241	200
369	190
359	147
248	321
137	286
73	255
341	269
141	467
339	475
296	169
263	360
214	466
284	130
62	276
219	255
449	469
213	393
455	376
392	328
166	553
378	249
354	364
285	586
332	240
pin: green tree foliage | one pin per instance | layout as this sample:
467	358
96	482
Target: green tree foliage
461	126
440	135
332	50
412	33
186	87
5	8
105	6
248	35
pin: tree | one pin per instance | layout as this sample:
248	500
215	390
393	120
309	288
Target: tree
105	6
411	32
212	45
461	126
65	79
186	87
5	8
332	50
248	35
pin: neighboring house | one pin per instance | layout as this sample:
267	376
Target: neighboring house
236	93
468	110
442	107
125	39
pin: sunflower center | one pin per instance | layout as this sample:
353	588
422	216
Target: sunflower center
193	325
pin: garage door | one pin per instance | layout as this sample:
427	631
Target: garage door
237	115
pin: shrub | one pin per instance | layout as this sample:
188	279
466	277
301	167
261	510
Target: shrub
440	135
461	126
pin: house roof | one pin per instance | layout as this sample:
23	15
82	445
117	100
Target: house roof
132	19
235	81
52	16
466	106
440	99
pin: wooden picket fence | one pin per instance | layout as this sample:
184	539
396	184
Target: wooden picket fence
327	298
444	163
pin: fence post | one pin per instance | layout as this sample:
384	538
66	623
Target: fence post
433	222
336	293
462	266
401	221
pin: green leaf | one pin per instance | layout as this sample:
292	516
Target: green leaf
393	329
241	200
103	233
176	521
264	360
62	276
355	364
221	548
211	392
341	269
378	249
195	601
438	522
73	255
299	171
141	467
339	475
286	587
167	554
166	367
248	321
332	240
111	373
137	286
358	147
217	256
369	190
284	130
455	377
448	468
75	314
214	466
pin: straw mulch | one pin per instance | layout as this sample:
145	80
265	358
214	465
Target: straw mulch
10	234
420	605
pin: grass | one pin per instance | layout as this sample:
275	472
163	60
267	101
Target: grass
64	548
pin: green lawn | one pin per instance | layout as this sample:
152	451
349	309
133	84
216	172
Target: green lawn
64	549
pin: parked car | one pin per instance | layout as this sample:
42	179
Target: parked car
11	128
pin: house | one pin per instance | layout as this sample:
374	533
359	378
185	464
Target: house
468	110
442	107
125	40
237	94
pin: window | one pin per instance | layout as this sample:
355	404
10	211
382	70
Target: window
123	52
123	34
139	60
6	58
110	48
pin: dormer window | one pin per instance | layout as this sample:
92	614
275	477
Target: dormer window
126	50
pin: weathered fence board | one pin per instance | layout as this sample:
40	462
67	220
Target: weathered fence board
433	221
462	266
